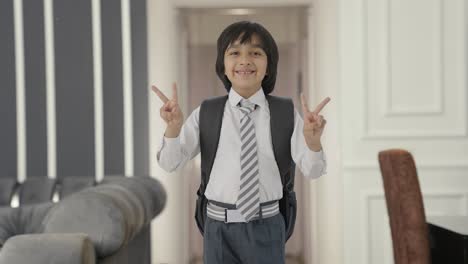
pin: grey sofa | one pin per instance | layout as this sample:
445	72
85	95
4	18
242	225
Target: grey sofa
104	223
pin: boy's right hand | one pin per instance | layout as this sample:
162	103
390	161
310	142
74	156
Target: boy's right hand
170	112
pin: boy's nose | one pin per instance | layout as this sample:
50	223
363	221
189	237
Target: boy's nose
244	60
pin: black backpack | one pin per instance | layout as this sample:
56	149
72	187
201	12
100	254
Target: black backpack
281	127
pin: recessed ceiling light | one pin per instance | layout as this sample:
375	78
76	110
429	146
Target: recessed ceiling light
240	11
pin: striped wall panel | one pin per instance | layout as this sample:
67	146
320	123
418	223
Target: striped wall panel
112	86
74	87
141	87
72	103
8	155
35	88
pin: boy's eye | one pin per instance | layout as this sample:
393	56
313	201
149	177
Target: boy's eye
233	53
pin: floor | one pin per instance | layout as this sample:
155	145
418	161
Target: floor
289	260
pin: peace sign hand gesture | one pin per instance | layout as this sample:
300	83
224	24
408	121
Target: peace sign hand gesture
170	111
313	124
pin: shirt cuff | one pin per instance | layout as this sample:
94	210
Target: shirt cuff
169	142
313	155
317	157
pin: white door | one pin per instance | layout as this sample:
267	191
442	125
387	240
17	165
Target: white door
403	85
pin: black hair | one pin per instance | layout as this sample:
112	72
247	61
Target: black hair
245	30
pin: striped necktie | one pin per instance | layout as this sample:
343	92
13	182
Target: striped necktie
248	201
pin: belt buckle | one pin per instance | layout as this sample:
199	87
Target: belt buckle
233	216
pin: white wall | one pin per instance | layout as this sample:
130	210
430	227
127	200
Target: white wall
169	239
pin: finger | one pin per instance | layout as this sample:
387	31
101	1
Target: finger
167	106
320	120
322	105
174	92
324	123
160	94
305	107
173	107
313	117
164	115
321	124
309	117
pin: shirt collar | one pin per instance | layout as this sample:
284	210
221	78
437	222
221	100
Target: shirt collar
257	98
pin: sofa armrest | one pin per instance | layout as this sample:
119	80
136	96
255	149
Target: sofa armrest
48	249
111	214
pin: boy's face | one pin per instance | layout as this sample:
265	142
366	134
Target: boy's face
245	66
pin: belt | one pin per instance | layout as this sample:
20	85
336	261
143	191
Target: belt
229	214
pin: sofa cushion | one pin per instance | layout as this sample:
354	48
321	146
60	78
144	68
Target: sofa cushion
36	190
7	224
73	184
7	187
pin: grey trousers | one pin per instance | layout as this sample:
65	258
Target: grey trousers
260	241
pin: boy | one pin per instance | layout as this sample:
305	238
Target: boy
244	224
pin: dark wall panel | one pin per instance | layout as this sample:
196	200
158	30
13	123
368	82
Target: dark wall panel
140	87
112	87
35	86
74	88
74	91
8	155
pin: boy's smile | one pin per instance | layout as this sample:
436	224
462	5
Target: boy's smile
245	66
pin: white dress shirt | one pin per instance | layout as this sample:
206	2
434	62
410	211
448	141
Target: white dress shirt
223	185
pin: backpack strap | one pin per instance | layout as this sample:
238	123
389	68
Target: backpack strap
282	127
210	120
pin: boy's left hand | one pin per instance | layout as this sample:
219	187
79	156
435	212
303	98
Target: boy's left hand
313	124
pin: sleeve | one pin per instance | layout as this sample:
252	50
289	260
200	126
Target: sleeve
173	153
312	164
